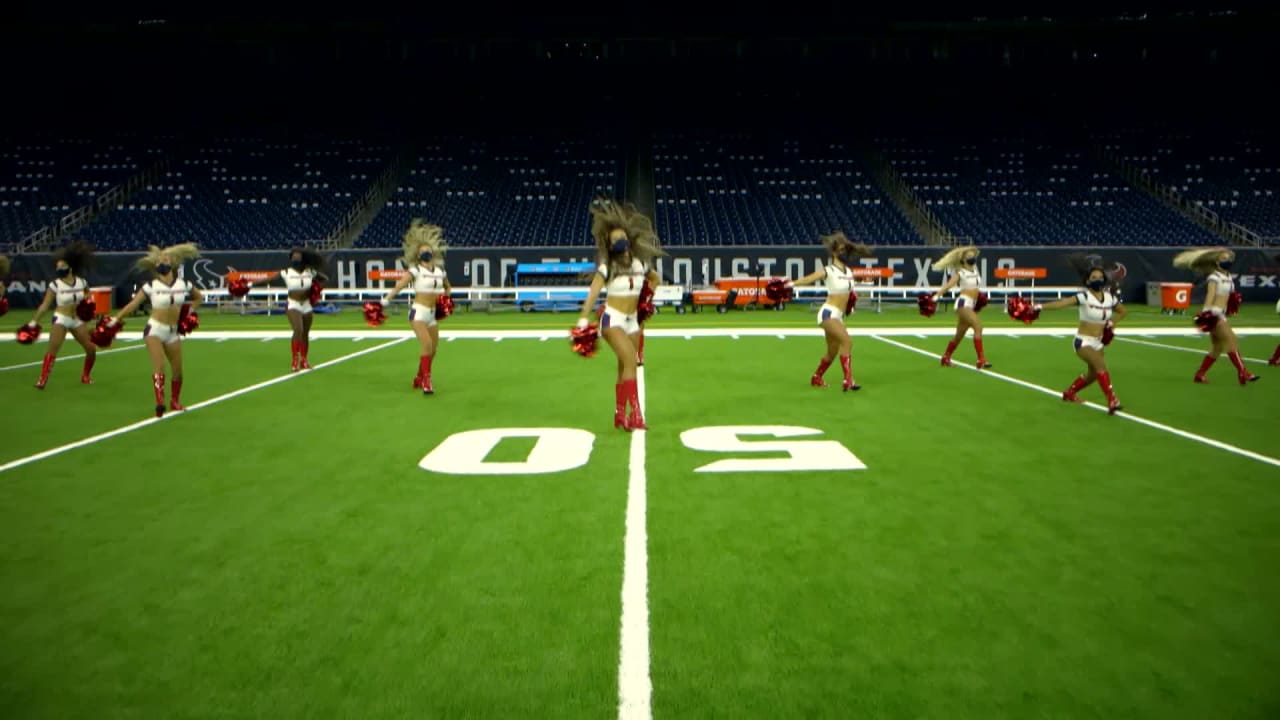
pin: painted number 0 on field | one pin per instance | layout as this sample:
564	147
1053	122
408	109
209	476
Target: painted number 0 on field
560	449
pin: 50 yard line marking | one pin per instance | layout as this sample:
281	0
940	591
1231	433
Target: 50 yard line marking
635	687
202	404
1127	416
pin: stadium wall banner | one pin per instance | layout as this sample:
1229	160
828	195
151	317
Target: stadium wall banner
1257	271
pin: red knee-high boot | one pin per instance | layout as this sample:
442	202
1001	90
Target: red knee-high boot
157	383
635	420
1275	357
1079	384
1242	373
89	358
293	356
846	364
946	356
424	373
176	387
982	356
303	347
620	397
817	380
1104	380
45	369
1205	364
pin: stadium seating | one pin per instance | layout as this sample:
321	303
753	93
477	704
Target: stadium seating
503	192
246	194
737	189
1016	191
1228	172
43	180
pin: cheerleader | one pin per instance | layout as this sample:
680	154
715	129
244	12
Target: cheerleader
964	261
168	293
841	299
626	245
1099	308
1216	263
63	294
424	248
305	267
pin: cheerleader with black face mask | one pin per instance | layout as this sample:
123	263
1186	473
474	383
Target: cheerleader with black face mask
964	261
67	291
301	279
1216	263
424	248
842	300
1099	310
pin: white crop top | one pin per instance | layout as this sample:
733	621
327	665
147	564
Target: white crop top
65	293
298	279
1093	310
839	281
427	280
167	296
1223	286
626	283
969	279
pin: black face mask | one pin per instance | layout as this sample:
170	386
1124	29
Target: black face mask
971	261
1225	264
425	256
164	269
620	246
63	272
1097	284
297	264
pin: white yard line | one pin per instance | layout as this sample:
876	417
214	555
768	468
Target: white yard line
1197	351
635	686
1127	416
202	404
69	357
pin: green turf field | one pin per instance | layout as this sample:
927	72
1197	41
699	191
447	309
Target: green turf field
278	550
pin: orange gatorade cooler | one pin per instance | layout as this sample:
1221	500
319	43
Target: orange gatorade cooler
101	300
1175	297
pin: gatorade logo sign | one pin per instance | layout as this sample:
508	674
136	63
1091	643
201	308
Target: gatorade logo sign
1183	296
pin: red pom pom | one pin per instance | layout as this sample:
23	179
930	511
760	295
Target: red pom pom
28	333
374	314
1233	303
86	310
779	291
238	288
1020	308
1206	321
583	340
1108	333
928	306
4	305
444	307
104	334
187	320
317	292
981	303
645	308
851	304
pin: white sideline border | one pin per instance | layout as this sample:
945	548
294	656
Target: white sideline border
1122	414
197	406
543	333
1197	351
635	684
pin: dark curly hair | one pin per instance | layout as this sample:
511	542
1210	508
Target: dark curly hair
310	258
77	254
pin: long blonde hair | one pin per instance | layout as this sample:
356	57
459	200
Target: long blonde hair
180	254
422	233
4	266
1204	260
608	215
953	257
838	244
